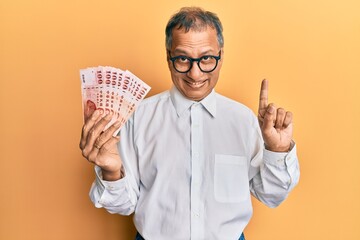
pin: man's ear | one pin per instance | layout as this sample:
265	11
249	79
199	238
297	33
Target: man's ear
168	59
222	56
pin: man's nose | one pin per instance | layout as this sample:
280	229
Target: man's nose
195	72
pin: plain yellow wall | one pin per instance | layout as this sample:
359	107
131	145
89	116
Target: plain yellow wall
308	49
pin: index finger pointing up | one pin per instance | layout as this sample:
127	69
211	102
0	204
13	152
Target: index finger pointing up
263	100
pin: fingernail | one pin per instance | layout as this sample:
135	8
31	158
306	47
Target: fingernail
271	109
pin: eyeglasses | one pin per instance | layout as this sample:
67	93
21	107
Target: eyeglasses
206	63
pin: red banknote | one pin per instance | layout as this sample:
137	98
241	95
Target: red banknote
112	91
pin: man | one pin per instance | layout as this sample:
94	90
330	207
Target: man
188	159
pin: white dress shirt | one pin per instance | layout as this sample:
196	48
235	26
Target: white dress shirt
190	168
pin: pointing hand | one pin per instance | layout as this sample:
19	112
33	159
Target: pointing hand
275	123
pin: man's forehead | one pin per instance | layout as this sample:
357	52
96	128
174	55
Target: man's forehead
195	42
207	34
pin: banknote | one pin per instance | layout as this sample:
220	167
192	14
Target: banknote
112	91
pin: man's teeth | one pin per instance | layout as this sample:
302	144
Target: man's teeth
196	83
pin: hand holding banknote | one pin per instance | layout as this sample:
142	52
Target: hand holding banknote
99	146
110	96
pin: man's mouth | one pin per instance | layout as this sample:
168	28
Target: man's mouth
198	84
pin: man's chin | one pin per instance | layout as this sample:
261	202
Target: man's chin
196	95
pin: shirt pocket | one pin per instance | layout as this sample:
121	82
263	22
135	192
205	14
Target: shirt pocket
231	181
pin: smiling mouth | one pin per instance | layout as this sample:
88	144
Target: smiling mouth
195	84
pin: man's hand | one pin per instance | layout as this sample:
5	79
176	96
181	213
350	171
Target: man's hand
100	147
275	123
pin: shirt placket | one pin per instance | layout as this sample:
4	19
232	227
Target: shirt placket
197	215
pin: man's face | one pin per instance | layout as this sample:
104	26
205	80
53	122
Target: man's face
195	84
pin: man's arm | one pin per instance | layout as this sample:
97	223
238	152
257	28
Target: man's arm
274	166
115	187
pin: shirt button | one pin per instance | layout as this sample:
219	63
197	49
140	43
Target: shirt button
196	215
196	154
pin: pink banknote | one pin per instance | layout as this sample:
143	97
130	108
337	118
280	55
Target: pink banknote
113	91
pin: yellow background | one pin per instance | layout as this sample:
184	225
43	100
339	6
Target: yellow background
308	49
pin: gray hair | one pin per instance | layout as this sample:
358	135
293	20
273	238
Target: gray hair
193	18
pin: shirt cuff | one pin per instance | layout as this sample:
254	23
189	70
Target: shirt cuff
103	185
280	159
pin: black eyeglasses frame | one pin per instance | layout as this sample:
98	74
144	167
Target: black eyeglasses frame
192	60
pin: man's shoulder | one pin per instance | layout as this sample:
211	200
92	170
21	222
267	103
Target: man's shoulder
231	104
234	111
155	99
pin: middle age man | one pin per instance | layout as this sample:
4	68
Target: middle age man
188	159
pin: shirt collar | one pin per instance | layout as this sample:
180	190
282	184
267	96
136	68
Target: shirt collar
181	103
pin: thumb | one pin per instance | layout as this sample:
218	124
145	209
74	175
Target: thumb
89	109
270	117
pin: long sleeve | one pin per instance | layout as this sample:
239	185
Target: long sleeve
277	176
119	196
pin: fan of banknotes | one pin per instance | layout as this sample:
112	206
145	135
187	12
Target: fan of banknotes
112	91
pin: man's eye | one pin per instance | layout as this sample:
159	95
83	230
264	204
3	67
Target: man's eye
183	59
206	58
